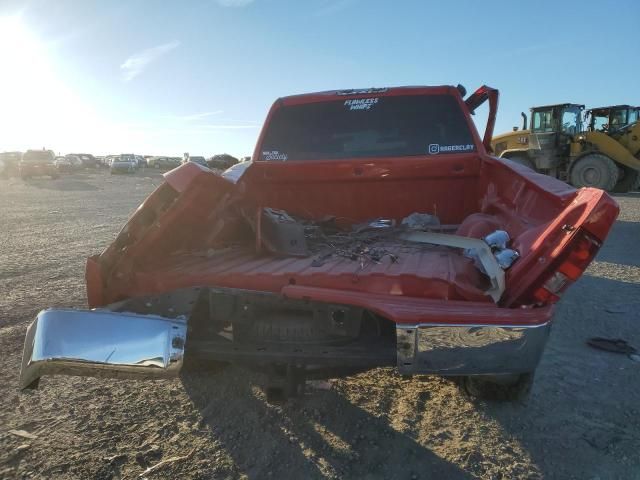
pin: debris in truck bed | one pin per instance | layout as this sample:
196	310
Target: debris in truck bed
506	257
282	234
366	243
420	221
374	224
497	240
373	241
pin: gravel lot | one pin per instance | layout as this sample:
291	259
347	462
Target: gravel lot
582	420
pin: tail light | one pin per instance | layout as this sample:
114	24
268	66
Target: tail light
568	267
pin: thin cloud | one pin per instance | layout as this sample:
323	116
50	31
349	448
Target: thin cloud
195	116
234	3
229	126
136	63
332	7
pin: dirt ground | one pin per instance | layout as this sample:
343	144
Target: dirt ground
582	420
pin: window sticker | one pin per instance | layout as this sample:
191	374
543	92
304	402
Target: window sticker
362	91
360	103
274	155
436	148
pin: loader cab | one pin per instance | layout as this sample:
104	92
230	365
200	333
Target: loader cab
552	130
563	119
613	118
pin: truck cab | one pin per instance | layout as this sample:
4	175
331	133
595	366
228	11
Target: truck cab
612	118
552	130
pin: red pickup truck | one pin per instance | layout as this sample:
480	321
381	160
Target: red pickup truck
373	228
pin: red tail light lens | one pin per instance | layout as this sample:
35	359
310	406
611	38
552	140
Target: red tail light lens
567	268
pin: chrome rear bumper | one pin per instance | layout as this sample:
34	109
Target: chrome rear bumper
102	344
470	349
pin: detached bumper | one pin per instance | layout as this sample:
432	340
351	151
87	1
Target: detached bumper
102	344
108	343
470	349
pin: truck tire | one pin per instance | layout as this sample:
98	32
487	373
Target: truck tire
628	181
522	160
500	388
594	170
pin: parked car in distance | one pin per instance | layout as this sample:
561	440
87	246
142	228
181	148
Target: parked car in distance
88	160
123	164
140	161
131	157
222	161
38	163
76	163
163	163
10	162
64	165
198	160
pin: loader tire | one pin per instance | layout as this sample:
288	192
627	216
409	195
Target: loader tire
522	160
498	388
594	170
628	181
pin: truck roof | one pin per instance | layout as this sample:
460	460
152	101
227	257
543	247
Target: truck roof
368	92
539	107
611	107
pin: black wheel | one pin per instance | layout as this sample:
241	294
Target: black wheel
627	180
522	159
594	170
501	388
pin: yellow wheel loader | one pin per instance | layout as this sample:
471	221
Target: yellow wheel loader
619	122
557	145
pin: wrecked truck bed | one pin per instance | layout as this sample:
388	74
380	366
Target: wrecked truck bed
324	261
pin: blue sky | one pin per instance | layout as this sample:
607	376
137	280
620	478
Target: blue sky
199	76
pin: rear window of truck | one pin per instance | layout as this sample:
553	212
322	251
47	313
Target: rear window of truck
367	127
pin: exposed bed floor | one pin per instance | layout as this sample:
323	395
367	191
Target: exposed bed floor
396	268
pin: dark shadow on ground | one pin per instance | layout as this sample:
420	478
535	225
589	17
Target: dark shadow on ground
577	422
325	436
622	244
628	194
